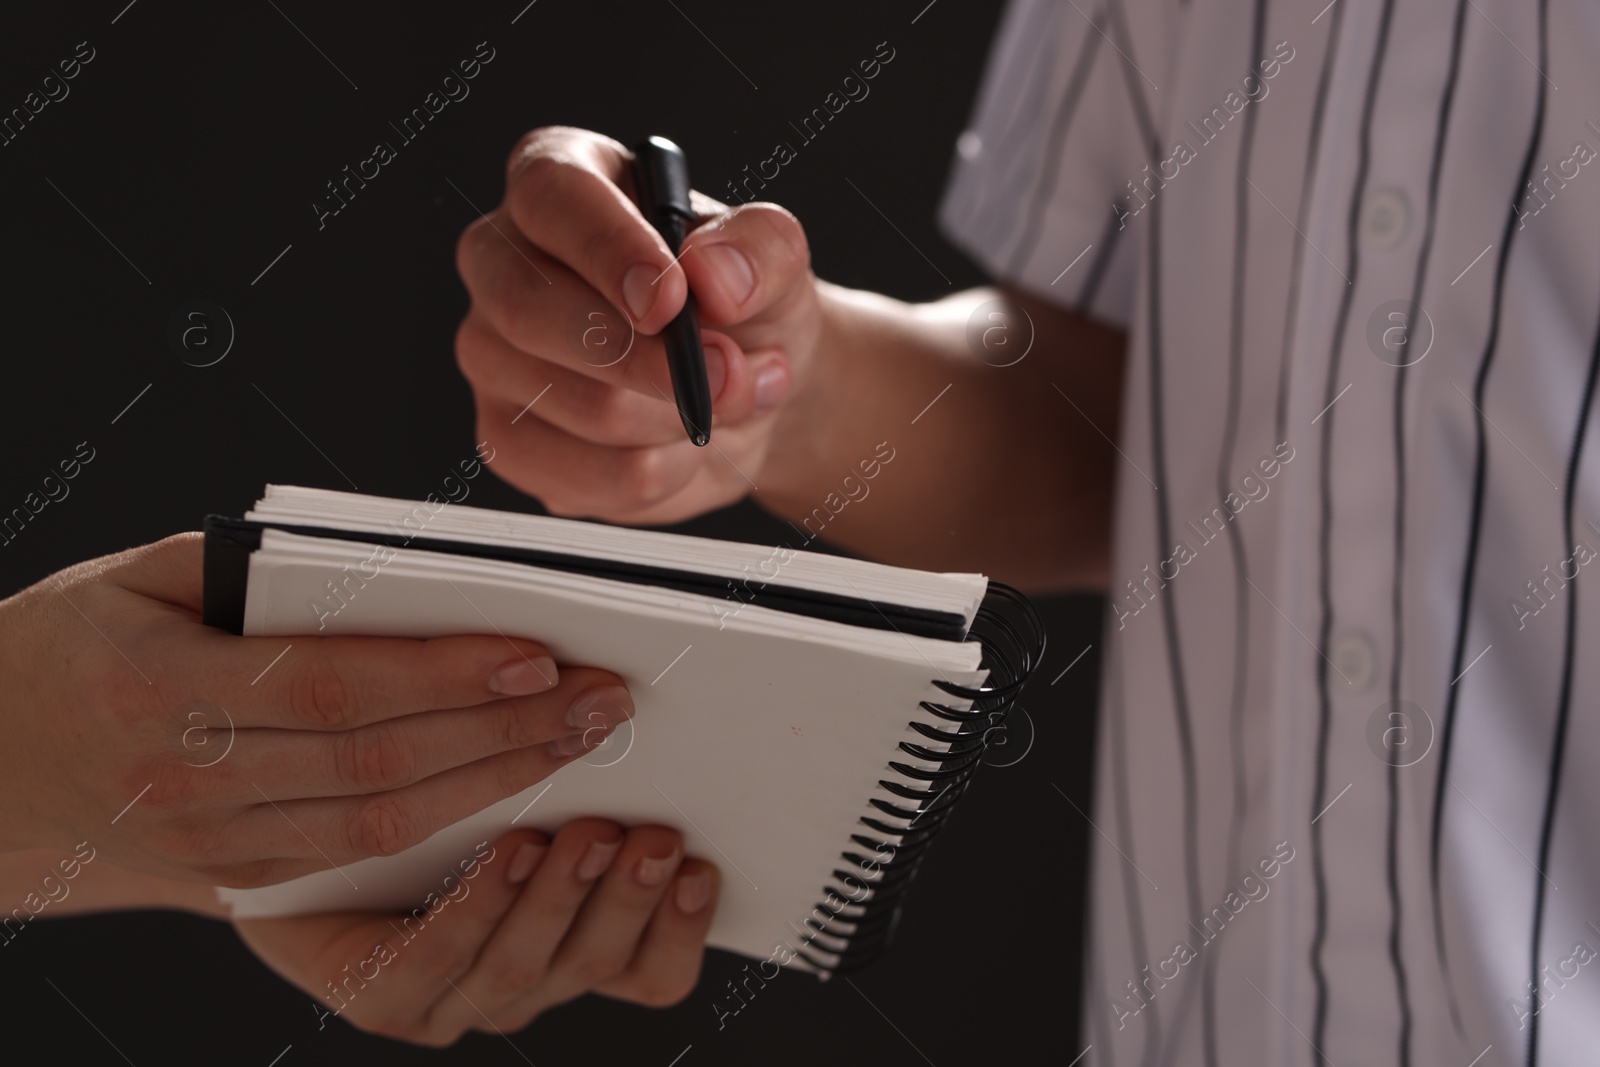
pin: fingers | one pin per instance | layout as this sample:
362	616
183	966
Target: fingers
666	965
391	974
589	408
572	476
339	683
515	966
294	765
570	193
342	830
602	941
543	308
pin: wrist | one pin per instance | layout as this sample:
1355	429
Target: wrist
820	406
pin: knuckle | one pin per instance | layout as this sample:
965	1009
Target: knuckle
469	348
533	144
468	245
519	726
784	248
372	759
451	960
381	826
542	172
517	976
611	414
318	695
643	474
598	969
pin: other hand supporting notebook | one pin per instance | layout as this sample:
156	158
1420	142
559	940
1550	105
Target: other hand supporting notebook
806	721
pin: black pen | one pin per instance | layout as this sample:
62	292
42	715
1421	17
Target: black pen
661	174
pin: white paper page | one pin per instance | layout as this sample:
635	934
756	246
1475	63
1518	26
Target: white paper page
357	512
762	749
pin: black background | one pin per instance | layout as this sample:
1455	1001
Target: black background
195	143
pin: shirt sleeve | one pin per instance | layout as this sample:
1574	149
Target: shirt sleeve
1061	127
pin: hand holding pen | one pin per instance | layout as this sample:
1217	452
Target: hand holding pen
569	250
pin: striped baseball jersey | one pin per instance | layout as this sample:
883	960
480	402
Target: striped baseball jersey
1347	798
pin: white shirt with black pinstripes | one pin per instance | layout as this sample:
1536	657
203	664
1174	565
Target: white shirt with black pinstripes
1346	761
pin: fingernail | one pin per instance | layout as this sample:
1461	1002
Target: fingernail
640	289
733	269
596	860
771	385
523	676
716	369
653	870
572	744
605	706
527	857
693	891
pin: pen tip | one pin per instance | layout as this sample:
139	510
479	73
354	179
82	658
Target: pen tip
701	439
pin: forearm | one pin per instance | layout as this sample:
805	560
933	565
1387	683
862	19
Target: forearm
43	883
1001	474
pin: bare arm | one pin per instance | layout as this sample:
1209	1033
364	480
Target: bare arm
1001	474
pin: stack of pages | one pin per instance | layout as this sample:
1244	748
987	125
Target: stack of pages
802	718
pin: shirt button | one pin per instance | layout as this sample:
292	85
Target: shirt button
1355	659
1384	217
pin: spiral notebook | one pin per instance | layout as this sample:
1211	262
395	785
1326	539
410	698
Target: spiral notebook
807	721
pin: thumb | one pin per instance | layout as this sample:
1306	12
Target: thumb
750	265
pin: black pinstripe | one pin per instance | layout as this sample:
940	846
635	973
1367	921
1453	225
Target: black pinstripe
1480	470
1019	129
1180	688
1164	523
1130	885
1313	151
1241	569
1054	145
1397	582
1441	135
1141	107
1325	534
1109	238
1558	747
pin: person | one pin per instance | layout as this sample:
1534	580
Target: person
153	758
1292	351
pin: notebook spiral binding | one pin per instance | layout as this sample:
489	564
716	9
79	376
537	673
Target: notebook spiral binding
861	904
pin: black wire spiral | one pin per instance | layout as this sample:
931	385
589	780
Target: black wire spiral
862	912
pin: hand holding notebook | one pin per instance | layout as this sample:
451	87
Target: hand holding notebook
808	732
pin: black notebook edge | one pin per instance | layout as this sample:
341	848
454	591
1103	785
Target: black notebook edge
229	543
855	920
